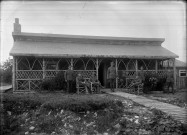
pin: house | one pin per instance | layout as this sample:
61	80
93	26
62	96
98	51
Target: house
37	56
181	72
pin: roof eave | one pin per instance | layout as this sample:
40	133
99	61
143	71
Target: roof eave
95	56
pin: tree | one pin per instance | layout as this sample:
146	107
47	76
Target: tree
6	71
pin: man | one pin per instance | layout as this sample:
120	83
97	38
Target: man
95	82
111	75
141	74
69	77
85	83
170	81
135	83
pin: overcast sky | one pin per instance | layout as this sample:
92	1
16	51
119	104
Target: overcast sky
120	19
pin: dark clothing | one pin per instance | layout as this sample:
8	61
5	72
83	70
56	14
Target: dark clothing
69	77
86	84
170	81
111	73
95	83
79	79
141	74
69	86
112	83
169	78
170	84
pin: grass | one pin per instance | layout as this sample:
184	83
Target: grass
76	103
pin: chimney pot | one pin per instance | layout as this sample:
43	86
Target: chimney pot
17	20
17	26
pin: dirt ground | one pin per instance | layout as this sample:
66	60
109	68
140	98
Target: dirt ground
181	94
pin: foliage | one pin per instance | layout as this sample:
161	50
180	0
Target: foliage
56	83
50	112
6	71
153	83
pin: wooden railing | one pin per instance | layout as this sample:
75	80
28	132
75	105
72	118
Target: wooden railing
31	79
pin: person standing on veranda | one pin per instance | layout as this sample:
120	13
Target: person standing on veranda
141	74
111	75
170	81
69	76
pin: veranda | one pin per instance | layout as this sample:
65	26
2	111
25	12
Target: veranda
28	72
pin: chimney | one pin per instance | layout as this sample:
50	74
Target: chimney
17	26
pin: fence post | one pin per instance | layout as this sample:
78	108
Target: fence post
174	73
97	68
136	67
116	73
14	74
156	66
71	63
43	68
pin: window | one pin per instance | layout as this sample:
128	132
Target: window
182	73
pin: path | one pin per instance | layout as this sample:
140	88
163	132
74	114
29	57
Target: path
5	88
176	112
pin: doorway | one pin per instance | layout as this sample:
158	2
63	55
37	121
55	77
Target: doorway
102	72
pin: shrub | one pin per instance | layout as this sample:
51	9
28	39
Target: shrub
153	83
56	83
37	107
47	84
60	81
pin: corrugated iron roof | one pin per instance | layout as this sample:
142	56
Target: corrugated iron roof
51	49
179	63
86	37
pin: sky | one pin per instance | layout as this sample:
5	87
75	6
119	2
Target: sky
139	19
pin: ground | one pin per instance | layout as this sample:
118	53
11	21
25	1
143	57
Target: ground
48	113
178	99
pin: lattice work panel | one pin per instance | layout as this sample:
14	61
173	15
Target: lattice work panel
162	73
22	85
130	73
52	74
35	84
150	72
85	73
29	74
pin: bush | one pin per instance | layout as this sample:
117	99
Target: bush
56	83
153	83
36	107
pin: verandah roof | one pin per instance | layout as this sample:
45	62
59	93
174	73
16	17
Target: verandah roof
52	49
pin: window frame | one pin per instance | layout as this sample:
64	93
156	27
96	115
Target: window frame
182	70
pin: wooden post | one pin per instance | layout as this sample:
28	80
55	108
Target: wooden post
174	73
14	74
116	74
156	66
43	68
97	68
136	67
71	63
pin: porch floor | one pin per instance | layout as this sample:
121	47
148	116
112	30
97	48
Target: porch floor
176	112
